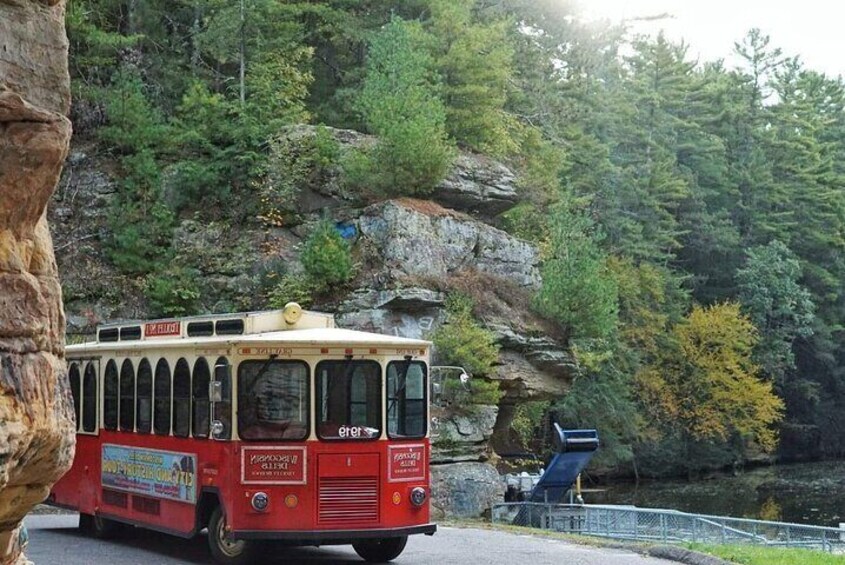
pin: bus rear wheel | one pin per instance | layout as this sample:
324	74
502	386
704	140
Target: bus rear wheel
224	550
380	550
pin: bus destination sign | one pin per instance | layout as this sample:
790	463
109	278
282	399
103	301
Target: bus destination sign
163	329
407	463
160	474
273	466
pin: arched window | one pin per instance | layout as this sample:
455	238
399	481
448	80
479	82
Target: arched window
110	403
89	399
144	406
223	409
202	377
127	396
182	399
75	386
161	420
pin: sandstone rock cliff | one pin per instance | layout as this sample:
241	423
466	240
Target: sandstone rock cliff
36	417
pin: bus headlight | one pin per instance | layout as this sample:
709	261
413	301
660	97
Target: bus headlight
260	501
418	496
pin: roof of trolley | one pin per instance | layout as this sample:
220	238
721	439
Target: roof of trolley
290	326
306	337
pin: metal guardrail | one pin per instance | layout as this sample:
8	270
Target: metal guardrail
666	526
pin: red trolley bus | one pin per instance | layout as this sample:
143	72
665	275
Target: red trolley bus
259	426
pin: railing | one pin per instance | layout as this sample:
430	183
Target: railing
666	526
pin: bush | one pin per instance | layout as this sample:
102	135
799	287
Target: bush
295	163
326	257
462	341
476	391
400	105
527	418
174	293
291	288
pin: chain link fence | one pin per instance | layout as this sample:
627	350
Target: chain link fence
666	526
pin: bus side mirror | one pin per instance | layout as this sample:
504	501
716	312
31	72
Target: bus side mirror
215	392
217	429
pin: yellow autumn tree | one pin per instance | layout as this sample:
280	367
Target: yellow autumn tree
705	386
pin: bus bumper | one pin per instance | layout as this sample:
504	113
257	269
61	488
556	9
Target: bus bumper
333	537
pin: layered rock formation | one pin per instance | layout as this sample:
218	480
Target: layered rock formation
36	416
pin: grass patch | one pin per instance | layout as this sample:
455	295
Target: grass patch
761	555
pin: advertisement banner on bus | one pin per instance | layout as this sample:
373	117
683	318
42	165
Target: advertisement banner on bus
150	472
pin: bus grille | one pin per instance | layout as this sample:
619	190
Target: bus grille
348	499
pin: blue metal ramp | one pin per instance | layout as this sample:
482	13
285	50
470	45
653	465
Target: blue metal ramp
574	449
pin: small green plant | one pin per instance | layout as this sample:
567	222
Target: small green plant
527	417
291	288
326	257
296	162
462	341
174	293
476	391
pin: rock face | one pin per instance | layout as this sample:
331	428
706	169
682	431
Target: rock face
415	238
464	490
36	416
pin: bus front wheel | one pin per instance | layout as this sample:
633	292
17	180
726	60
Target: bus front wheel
225	550
380	550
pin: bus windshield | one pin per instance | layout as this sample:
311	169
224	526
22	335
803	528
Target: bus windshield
273	400
349	399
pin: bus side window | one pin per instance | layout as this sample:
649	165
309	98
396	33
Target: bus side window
161	419
144	406
89	399
75	385
182	399
202	378
127	397
110	403
223	409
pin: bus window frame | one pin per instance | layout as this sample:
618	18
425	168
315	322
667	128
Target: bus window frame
95	366
74	366
318	398
424	400
308	386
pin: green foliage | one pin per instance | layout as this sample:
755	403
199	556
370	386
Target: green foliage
296	162
527	418
399	104
291	288
474	60
763	555
462	341
134	124
706	385
476	392
578	292
174	292
326	257
777	304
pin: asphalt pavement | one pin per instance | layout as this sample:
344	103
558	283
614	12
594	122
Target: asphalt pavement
55	540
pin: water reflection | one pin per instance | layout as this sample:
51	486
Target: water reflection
807	493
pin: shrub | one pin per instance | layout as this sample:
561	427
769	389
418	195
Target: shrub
527	418
476	391
174	292
326	257
291	288
462	341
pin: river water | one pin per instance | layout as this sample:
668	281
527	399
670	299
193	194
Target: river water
805	493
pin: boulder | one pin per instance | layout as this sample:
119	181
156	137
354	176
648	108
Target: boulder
464	490
478	185
37	430
420	239
462	435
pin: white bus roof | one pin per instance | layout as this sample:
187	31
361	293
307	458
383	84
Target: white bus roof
307	337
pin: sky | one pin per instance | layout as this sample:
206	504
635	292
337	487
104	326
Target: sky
811	29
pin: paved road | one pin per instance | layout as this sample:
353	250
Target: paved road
54	540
